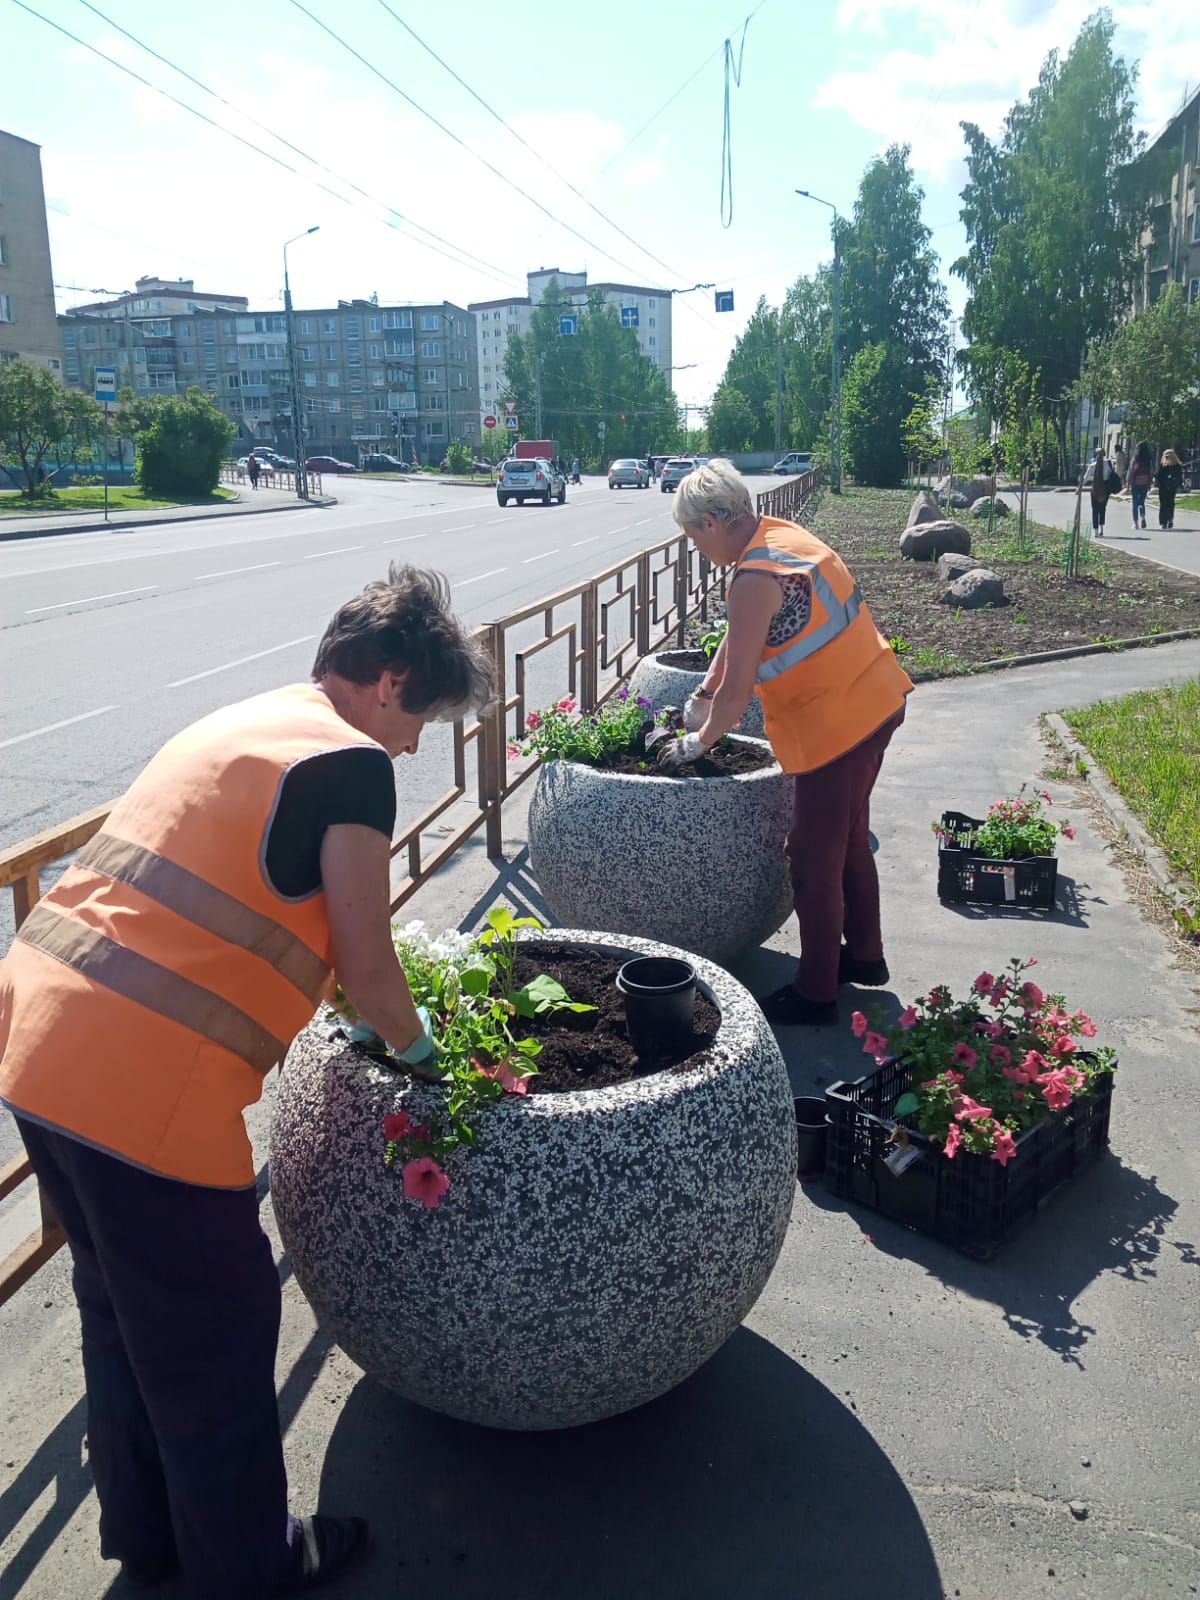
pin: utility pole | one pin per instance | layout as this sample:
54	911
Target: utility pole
537	397
778	397
835	406
294	372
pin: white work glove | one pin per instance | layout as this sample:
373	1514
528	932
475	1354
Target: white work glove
681	752
695	713
419	1051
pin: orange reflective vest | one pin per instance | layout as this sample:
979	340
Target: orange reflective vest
146	996
836	681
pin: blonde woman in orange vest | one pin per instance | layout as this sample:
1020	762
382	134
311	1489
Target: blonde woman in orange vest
142	1003
801	637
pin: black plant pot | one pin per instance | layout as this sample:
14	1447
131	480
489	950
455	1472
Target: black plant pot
660	1001
810	1135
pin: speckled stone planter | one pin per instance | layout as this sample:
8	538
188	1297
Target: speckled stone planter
593	1249
664	684
696	862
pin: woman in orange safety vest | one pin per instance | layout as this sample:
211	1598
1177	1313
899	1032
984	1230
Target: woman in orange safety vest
801	637
142	1003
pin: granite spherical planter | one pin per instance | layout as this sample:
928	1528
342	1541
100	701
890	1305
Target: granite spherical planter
695	862
666	679
593	1249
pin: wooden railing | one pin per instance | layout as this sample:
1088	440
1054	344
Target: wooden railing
604	624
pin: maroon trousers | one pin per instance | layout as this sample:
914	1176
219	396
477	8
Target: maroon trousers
834	882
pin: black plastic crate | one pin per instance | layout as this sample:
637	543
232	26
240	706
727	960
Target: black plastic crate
970	1202
967	878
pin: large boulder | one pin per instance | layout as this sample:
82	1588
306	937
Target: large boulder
934	539
957	500
924	509
979	488
981	508
976	589
954	565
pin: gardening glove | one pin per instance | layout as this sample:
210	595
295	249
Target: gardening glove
680	752
359	1032
421	1049
695	713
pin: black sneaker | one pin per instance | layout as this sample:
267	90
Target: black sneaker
787	1008
867	974
150	1573
325	1547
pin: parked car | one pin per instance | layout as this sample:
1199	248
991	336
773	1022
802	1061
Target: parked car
794	461
628	474
531	478
702	461
382	463
328	464
675	471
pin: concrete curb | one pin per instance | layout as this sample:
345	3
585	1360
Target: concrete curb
202	515
1119	813
1139	641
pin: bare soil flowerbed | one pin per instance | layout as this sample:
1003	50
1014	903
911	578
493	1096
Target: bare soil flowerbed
1119	596
723	761
592	1049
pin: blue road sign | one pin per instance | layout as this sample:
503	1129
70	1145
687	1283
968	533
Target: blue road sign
568	324
629	316
106	385
724	299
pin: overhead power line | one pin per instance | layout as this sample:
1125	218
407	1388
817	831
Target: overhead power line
248	143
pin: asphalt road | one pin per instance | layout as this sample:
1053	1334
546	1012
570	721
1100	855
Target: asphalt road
111	642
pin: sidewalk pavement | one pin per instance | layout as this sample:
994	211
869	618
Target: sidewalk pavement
893	1420
243	503
1175	548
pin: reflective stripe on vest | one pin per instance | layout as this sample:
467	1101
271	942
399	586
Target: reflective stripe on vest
840	613
209	908
128	973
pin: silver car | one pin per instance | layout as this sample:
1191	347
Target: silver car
530	478
628	474
675	471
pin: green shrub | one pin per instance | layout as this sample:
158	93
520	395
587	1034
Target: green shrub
459	458
181	452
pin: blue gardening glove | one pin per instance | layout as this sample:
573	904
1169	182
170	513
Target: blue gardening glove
359	1032
681	752
421	1049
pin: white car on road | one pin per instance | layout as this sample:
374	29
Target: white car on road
530	478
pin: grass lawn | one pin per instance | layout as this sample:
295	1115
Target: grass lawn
1149	745
1188	502
1118	596
126	497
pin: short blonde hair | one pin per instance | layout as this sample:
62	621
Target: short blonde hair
1170	459
717	490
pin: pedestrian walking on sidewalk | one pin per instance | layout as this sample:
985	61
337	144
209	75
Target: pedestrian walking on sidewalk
1168	480
253	468
1104	484
142	1003
833	694
1120	459
1141	476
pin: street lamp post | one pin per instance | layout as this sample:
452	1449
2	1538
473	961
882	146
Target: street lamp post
835	409
294	371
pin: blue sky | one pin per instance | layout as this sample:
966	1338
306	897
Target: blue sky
137	185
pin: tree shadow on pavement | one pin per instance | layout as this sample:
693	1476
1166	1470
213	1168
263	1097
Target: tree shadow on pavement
750	1480
1111	1220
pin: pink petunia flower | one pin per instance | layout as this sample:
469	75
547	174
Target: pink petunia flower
512	1082
984	982
532	721
567	703
1046	797
969	1110
1064	1045
1033	1066
874	1044
999	994
908	1017
1068	831
964	1055
1000	1055
1056	1089
953	1140
514	751
858	1024
1085	1025
425	1181
1006	1147
397	1125
993	1029
1032	997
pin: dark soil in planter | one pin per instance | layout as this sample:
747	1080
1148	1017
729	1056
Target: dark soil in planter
727	763
592	1049
684	660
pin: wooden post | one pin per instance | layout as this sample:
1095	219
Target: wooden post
493	748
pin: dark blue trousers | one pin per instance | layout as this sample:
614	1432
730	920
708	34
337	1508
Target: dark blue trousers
179	1305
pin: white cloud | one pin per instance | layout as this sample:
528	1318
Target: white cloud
641	174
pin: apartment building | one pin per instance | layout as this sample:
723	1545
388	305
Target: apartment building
28	326
369	376
1171	242
646	311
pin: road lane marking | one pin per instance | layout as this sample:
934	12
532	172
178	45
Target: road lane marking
541	557
242	660
231	572
89	599
343	550
625	529
493	520
578	542
53	727
643	522
494	573
406	538
466	528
